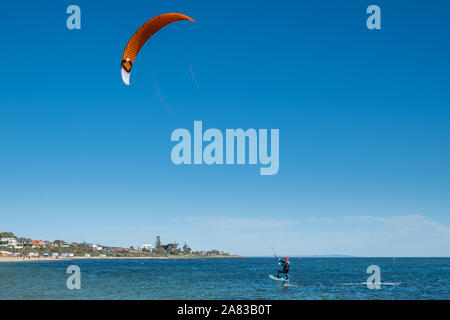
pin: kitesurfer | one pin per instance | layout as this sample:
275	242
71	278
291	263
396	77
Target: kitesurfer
285	264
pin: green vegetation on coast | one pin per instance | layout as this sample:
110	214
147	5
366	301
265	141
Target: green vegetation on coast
10	245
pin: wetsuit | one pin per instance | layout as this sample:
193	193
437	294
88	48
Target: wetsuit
285	264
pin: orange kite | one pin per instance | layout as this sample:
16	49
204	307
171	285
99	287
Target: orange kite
141	36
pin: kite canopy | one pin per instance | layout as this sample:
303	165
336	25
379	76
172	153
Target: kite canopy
141	36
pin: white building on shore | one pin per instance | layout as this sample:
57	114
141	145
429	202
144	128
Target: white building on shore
9	242
97	247
145	247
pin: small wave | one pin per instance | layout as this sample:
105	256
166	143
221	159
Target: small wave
365	283
290	285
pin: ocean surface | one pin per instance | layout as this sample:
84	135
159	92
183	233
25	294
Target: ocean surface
239	278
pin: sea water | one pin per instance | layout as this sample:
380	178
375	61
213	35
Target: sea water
227	278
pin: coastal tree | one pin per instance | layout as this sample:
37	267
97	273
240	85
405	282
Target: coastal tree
171	248
213	252
7	235
186	249
158	246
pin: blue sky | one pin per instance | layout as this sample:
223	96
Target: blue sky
363	118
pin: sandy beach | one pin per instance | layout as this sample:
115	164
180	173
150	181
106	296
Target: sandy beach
16	259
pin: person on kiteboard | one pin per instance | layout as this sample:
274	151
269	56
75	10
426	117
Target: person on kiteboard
285	265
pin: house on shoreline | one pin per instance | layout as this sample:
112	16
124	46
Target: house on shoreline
145	247
12	242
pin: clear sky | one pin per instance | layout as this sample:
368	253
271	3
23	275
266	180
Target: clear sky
363	117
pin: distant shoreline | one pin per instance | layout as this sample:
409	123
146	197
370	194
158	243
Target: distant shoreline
19	259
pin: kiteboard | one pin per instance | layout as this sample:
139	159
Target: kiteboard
271	276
